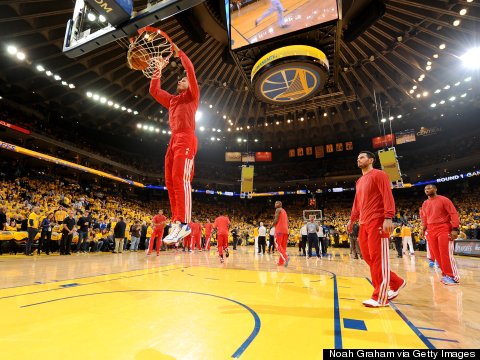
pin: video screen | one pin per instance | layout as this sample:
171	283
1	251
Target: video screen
253	21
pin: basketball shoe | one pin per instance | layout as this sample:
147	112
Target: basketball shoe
179	231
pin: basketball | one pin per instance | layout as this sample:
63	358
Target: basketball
138	58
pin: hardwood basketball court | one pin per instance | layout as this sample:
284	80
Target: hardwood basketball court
189	306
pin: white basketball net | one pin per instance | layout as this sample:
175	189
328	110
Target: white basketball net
157	51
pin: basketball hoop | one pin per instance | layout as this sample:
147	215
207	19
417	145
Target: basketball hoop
150	51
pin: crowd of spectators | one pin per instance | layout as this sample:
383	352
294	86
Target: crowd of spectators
102	208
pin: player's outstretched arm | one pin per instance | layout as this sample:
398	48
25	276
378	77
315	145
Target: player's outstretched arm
192	79
162	96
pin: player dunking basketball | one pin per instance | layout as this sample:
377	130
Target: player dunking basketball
182	148
281	233
374	207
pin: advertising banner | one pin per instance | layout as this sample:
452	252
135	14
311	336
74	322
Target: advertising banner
248	157
263	156
247	179
233	156
383	141
405	136
319	152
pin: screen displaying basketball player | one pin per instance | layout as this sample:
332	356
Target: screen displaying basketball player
253	21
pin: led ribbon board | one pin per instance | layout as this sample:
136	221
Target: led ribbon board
35	154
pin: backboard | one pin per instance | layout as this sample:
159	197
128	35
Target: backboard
317	213
89	29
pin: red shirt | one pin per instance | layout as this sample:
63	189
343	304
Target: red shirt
158	219
196	229
221	224
182	107
282	225
439	210
208	228
373	198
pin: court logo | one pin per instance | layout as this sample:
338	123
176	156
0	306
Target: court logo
290	74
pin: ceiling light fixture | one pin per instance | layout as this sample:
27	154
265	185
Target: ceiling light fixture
12	50
470	58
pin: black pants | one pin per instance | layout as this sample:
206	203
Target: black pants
261	244
271	245
303	244
398	245
324	242
313	243
44	241
32	232
235	240
66	243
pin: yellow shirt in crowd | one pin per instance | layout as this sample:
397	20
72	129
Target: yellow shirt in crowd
406	231
33	220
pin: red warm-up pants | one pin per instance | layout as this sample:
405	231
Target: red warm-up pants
222	242
281	245
179	170
187	240
158	233
196	240
207	241
441	247
375	251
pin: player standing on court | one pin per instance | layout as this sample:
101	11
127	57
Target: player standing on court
280	223
374	207
196	235
222	223
179	167
158	223
208	233
440	218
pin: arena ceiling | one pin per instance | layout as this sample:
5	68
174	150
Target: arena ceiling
400	59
